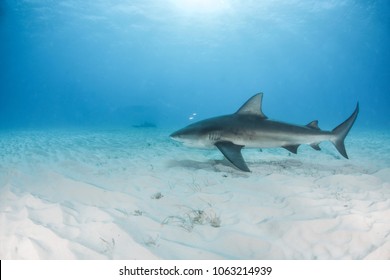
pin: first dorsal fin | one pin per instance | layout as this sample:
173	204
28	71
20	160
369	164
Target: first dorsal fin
253	106
313	125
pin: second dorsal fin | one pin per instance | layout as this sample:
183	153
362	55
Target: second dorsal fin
313	125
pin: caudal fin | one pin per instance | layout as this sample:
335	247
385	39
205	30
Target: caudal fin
341	131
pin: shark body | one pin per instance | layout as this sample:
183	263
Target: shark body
250	128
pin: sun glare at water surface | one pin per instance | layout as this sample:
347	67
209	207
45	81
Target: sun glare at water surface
201	6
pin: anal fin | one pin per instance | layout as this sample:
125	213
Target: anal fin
292	148
315	146
233	153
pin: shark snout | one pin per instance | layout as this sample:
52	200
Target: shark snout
175	136
182	135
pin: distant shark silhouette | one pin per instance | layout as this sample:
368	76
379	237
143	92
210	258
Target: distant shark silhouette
250	128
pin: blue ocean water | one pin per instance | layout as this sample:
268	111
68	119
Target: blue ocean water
120	63
79	178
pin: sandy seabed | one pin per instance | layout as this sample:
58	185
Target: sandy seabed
135	194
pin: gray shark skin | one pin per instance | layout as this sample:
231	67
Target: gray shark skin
250	128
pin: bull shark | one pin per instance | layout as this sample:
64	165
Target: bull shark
249	127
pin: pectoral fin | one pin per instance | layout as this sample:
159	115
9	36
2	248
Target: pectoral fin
233	153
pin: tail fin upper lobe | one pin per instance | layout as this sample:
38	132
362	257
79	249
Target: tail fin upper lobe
341	131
